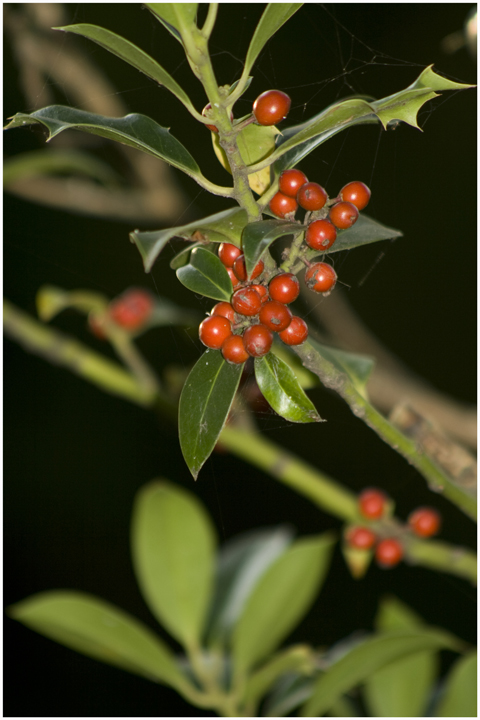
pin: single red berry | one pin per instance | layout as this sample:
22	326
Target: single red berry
225	310
132	309
282	205
343	215
361	538
312	196
321	234
321	277
356	193
296	333
228	253
258	340
270	107
246	301
290	182
371	503
233	277
262	290
388	552
214	330
275	315
240	269
425	521
205	113
284	288
233	350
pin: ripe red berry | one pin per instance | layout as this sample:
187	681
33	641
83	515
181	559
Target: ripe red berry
290	182
425	521
246	301
361	538
132	309
214	330
296	333
225	310
258	340
343	215
282	205
320	235
388	552
233	350
275	315
371	503
240	269
262	290
321	277
284	288
270	107
205	113
228	253
356	193
233	277
312	196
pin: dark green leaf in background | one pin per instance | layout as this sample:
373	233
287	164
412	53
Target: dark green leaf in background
258	236
206	275
459	696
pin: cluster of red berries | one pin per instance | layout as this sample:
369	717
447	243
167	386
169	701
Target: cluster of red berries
269	108
244	327
423	522
129	311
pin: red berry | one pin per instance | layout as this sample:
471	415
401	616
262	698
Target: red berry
275	315
233	350
246	301
321	277
228	253
425	521
361	538
262	290
132	309
205	113
388	552
312	196
356	193
240	269
284	288
320	235
282	205
233	277
258	340
296	333
225	310
270	107
343	215
290	182
214	330
371	503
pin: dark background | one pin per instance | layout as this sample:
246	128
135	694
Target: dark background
74	457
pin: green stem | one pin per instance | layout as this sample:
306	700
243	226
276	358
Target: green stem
210	20
293	252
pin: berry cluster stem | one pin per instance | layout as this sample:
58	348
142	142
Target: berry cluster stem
295	248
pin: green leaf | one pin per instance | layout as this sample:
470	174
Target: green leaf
53	162
364	232
283	392
459	698
373	654
295	659
102	631
305	377
241	563
225	226
357	367
258	236
177	18
280	599
131	54
288	693
205	402
206	275
274	16
52	300
255	143
173	545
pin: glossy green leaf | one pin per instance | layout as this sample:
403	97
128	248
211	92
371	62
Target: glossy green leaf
258	236
459	697
225	226
173	545
175	17
274	16
280	600
131	54
305	377
281	389
52	300
355	667
205	402
206	275
241	563
102	631
364	232
357	367
56	161
289	693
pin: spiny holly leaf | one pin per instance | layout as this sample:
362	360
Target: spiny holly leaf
364	232
225	226
258	236
205	402
175	17
358	367
282	390
206	275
